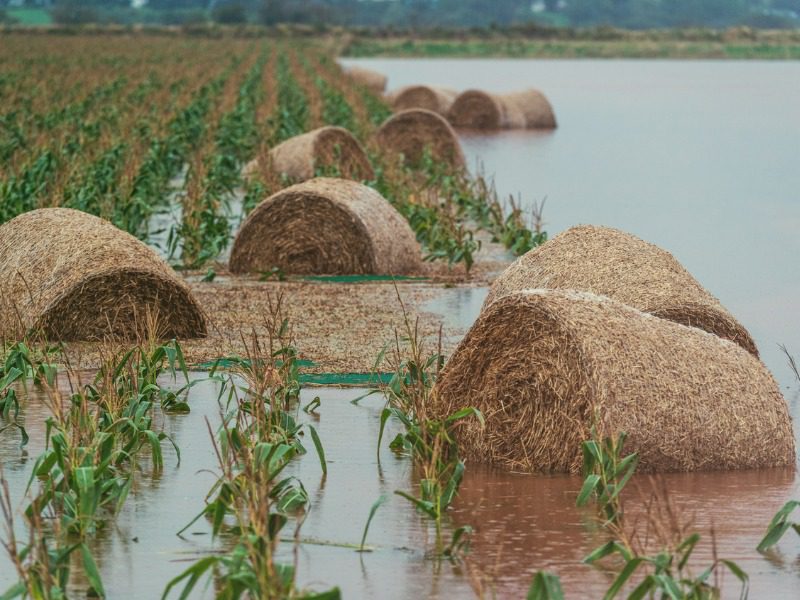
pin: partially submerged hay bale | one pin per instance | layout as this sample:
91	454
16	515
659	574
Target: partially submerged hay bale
436	99
539	364
328	147
326	226
613	263
411	132
74	276
535	107
371	79
475	109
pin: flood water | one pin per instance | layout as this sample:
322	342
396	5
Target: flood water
699	157
523	523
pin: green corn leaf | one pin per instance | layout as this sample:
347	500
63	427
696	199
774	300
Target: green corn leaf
589	485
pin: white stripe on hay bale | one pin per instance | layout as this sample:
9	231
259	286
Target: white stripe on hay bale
621	266
435	99
540	363
326	226
411	132
475	109
371	79
330	148
74	276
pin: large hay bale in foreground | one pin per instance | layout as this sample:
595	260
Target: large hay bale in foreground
326	226
74	276
621	266
475	109
327	147
371	79
540	363
411	132
435	99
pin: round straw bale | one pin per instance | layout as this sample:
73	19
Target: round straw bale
371	79
436	99
475	109
619	265
410	132
300	157
74	276
542	365
535	107
326	226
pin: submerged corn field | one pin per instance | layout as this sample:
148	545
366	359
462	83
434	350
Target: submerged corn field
278	375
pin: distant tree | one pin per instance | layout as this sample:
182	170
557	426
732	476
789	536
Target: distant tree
74	12
230	13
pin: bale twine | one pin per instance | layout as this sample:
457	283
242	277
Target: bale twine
613	263
371	79
326	226
74	276
540	364
475	109
327	147
436	99
411	132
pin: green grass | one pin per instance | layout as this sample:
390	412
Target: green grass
521	48
30	16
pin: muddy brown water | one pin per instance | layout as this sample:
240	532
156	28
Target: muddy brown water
522	522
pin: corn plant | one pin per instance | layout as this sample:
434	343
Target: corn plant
94	441
251	498
43	564
427	439
779	525
663	574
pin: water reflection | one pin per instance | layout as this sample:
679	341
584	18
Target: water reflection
523	522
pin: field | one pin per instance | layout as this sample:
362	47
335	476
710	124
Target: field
129	133
154	133
737	44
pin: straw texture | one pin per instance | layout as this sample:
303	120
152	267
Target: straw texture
326	226
435	99
540	363
371	79
619	265
327	147
475	109
410	132
74	276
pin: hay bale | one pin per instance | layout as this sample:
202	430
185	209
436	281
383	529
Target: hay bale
436	99
371	79
327	147
326	226
613	263
535	108
475	109
540	363
74	276
410	132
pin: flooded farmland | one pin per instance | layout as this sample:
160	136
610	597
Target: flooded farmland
699	158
